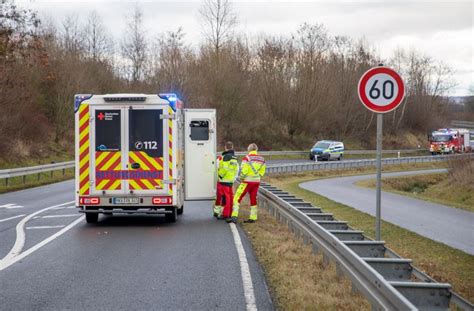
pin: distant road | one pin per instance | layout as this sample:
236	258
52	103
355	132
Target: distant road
451	226
123	262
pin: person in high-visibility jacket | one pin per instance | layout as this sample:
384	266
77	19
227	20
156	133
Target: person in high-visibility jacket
228	170
252	170
218	203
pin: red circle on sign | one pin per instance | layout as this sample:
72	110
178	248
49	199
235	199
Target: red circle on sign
367	102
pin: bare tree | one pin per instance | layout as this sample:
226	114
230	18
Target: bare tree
170	60
71	36
96	40
134	45
218	21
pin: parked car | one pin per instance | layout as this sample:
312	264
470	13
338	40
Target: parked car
327	150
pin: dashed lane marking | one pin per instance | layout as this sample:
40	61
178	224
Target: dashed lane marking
10	218
45	227
249	294
10	206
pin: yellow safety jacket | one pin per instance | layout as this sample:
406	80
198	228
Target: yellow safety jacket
228	168
253	167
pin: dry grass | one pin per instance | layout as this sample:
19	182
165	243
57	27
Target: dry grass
437	188
298	279
440	261
461	171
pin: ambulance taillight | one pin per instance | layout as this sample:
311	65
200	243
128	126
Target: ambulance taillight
162	200
89	200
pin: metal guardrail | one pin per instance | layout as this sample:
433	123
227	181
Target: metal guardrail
388	281
301	167
306	152
462	124
24	171
277	168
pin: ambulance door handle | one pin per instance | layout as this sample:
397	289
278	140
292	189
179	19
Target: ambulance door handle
135	166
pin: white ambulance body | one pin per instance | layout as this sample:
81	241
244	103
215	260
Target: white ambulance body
138	153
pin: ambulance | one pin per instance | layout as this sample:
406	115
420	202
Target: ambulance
142	154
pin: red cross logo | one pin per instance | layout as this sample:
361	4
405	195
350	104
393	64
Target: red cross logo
101	116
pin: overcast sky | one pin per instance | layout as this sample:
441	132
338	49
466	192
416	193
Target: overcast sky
440	29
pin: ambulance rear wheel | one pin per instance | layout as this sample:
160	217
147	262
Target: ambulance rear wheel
181	210
92	218
173	216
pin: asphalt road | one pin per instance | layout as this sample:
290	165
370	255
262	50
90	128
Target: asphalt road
441	223
121	263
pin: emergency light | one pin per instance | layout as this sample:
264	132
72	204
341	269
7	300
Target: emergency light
79	98
171	98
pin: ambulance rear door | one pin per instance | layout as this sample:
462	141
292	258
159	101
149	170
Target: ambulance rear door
147	144
200	175
130	150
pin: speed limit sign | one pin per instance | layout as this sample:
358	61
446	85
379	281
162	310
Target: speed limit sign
381	89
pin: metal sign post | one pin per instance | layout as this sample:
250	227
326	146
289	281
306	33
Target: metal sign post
378	200
381	90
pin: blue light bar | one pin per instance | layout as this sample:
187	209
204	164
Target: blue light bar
171	98
78	99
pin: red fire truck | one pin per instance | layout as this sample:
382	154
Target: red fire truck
449	140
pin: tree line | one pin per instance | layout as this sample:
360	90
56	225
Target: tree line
280	92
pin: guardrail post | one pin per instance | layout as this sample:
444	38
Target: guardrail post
52	174
339	272
354	288
305	239
39	176
64	171
6	182
325	260
24	179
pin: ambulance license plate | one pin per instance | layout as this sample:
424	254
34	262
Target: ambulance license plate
126	200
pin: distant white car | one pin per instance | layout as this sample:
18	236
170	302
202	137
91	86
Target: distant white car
327	150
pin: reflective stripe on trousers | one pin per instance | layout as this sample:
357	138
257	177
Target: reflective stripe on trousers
252	189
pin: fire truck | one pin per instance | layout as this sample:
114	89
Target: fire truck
138	153
450	140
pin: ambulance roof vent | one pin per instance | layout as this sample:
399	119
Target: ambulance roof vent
125	98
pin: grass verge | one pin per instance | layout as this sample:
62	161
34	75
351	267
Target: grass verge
298	280
17	183
431	187
440	261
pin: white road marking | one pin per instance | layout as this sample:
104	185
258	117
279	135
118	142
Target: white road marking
10	218
60	216
20	236
245	270
5	264
45	227
64	207
10	206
